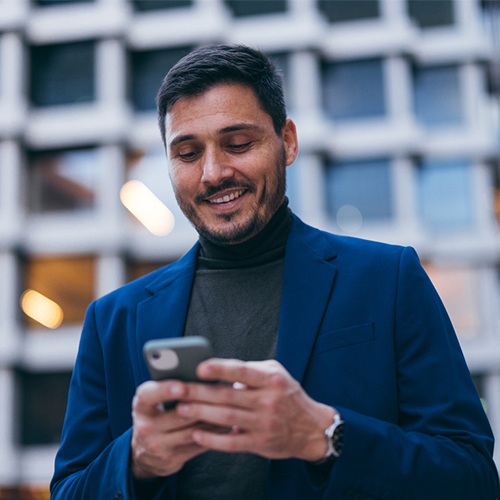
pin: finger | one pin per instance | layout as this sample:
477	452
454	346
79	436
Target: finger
222	416
219	394
151	437
151	394
230	442
251	373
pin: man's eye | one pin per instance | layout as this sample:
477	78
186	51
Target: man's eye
239	147
187	156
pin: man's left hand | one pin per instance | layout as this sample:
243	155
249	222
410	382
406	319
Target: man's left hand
269	413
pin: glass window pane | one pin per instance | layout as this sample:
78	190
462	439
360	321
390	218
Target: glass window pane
62	180
148	71
437	95
242	8
44	397
62	74
67	281
458	289
145	5
358	192
293	186
281	60
430	13
445	195
354	89
137	269
60	2
496	189
348	10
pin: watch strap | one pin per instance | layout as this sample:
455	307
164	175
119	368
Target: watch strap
334	435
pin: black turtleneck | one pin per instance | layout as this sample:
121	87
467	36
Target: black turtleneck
235	303
266	246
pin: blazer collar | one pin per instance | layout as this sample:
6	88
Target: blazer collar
307	284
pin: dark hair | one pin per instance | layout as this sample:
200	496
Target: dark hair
213	65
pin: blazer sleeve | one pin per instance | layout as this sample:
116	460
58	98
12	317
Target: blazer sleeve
442	445
90	463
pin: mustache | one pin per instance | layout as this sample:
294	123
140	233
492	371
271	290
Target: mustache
228	184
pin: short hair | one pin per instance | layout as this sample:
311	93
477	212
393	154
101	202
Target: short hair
213	65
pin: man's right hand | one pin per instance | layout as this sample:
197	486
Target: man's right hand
161	440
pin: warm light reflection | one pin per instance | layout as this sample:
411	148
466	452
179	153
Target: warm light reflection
41	309
144	205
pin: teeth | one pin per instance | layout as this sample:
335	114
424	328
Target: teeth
227	198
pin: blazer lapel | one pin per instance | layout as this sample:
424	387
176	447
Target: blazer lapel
307	283
164	313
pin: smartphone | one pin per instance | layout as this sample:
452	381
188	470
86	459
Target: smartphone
176	358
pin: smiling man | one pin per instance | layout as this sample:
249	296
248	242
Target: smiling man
227	163
344	377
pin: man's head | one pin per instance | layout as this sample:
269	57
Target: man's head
227	153
213	65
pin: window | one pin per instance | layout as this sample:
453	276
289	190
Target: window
479	382
496	189
148	71
353	89
43	406
281	61
62	74
60	2
437	96
25	492
145	5
243	8
61	181
337	11
431	13
458	289
358	192
137	269
67	282
445	197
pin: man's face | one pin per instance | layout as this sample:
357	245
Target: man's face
227	164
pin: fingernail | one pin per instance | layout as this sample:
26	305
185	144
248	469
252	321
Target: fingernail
197	436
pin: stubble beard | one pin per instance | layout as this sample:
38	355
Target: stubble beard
271	198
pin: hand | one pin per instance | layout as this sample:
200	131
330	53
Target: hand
269	412
161	440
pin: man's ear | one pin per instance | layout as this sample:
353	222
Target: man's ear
290	142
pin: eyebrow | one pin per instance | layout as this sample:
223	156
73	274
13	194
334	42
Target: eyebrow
226	130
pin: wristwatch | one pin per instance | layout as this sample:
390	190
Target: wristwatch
334	438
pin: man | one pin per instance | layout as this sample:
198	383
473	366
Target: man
344	378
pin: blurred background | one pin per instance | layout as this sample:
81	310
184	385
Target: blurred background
397	104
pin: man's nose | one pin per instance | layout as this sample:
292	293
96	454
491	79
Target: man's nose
215	167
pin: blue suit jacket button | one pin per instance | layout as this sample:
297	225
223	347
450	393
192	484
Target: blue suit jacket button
119	496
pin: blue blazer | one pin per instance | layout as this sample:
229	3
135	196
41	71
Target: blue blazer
361	327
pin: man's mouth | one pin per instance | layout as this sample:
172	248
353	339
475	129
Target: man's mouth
228	197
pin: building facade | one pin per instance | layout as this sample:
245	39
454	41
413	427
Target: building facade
397	104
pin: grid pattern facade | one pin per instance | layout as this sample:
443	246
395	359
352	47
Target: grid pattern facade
397	105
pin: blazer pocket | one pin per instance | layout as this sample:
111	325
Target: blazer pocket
344	337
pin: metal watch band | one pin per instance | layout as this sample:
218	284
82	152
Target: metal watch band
334	438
